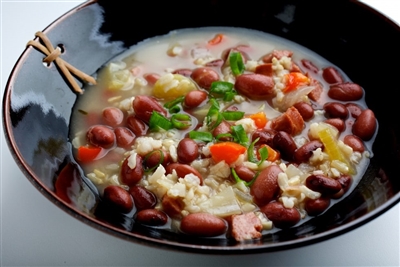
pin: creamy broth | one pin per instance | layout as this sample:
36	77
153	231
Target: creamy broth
139	72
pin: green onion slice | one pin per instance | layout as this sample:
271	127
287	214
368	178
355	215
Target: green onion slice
236	63
158	121
238	180
223	135
173	105
232	115
181	121
240	135
214	117
252	156
221	88
229	96
263	154
201	136
250	152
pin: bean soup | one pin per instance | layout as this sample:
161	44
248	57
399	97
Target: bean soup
221	132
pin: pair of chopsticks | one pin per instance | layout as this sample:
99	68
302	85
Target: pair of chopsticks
66	69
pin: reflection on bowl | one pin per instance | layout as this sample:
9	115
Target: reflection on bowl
38	104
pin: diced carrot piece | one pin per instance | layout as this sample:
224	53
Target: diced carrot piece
260	119
294	80
217	39
227	151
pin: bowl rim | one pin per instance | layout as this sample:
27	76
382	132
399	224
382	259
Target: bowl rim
150	241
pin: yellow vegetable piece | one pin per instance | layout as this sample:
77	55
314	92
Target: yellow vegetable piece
171	86
332	149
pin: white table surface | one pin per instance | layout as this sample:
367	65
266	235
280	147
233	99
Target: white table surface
34	232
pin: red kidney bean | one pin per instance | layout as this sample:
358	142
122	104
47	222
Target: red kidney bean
265	137
309	65
315	207
305	110
303	153
157	157
255	86
137	126
151	78
151	217
124	136
345	182
265	188
145	105
143	198
183	72
354	142
113	116
337	123
203	224
215	63
265	69
345	92
182	170
204	77
280	216
365	125
118	197
187	150
130	176
101	135
223	128
332	75
323	184
354	109
194	98
244	173
285	144
172	206
336	110
277	54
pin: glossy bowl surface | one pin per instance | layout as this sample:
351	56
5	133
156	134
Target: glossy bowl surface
37	103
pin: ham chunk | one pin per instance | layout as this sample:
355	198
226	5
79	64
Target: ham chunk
291	122
316	93
246	226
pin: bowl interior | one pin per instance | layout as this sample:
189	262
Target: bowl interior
37	103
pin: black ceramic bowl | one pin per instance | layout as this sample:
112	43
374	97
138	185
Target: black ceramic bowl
37	102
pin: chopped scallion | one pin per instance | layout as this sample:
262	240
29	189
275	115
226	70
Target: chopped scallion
181	121
250	152
201	136
158	121
214	117
221	88
238	180
236	63
229	96
173	106
240	135
232	115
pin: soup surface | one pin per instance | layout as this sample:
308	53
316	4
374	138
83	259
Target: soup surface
221	132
